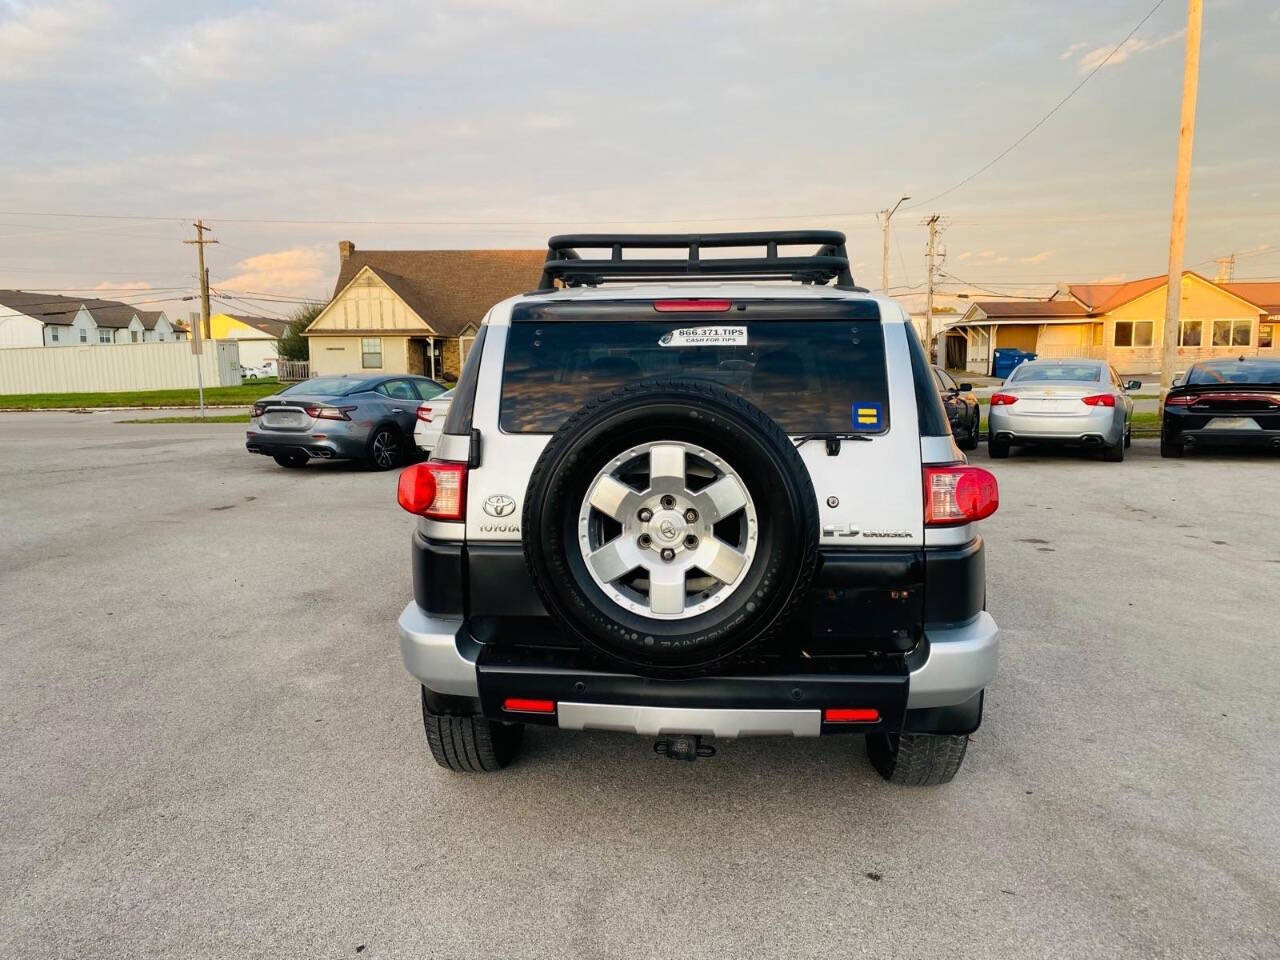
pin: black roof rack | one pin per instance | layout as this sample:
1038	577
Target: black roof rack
565	264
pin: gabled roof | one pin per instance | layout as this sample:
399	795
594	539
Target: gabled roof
268	325
448	289
46	307
149	317
111	313
1265	294
1104	297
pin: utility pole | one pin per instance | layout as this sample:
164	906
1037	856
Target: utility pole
885	216
1226	268
932	224
200	242
1181	187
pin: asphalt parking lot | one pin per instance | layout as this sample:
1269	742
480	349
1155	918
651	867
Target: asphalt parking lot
211	749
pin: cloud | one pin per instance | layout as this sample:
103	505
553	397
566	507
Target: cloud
1130	48
297	272
1072	50
1114	278
1040	257
34	37
964	256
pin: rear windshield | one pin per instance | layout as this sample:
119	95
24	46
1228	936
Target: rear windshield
1057	371
810	377
1233	371
325	386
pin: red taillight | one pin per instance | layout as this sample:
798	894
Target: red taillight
851	715
1003	399
436	490
692	306
524	705
955	495
1100	400
1179	400
320	411
424	413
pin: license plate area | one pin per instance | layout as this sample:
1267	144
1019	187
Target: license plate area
1232	423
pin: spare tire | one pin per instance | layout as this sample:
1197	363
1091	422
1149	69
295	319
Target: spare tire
669	525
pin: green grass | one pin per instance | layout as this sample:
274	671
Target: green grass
212	418
244	394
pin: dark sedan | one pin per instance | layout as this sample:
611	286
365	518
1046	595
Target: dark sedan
1223	403
368	418
962	409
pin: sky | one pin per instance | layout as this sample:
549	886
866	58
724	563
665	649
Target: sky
496	123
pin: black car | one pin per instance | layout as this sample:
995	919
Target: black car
1229	402
962	409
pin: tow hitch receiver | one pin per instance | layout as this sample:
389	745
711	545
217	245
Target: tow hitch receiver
684	747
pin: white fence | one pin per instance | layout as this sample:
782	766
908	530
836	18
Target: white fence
122	366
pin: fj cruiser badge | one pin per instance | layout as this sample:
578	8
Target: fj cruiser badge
499	505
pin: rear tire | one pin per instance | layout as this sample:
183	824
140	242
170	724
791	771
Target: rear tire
291	460
1171	448
1114	452
998	449
470	744
384	450
917	759
971	441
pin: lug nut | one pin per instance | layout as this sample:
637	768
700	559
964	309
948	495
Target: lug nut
691	515
645	515
645	540
668	554
691	541
668	501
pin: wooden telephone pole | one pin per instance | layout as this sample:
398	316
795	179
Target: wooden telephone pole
1181	187
200	242
885	216
932	224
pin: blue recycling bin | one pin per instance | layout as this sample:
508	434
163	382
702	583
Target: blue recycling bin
1005	359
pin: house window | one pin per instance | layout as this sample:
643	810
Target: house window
133	335
1266	335
84	336
1190	333
104	336
371	353
53	336
1231	333
1134	333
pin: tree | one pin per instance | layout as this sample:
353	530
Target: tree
293	345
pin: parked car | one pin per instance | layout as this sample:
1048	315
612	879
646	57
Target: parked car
1223	403
1068	402
255	373
368	418
431	414
698	506
963	410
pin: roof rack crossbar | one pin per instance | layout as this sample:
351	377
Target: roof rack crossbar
565	264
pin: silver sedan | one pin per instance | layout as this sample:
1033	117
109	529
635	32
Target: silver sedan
1070	402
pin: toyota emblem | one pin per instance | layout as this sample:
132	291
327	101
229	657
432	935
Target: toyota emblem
499	505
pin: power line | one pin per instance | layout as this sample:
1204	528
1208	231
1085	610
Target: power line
1041	122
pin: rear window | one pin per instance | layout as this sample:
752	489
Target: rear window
1057	371
809	376
1233	371
324	386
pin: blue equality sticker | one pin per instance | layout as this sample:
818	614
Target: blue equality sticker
868	416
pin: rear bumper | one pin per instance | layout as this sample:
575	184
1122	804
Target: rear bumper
318	443
1101	425
1207	437
951	670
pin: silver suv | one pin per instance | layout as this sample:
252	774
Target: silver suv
696	497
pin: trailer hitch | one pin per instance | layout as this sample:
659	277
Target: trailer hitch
684	747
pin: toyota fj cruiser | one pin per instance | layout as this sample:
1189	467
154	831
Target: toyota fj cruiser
692	497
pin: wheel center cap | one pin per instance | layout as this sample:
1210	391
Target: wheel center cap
668	526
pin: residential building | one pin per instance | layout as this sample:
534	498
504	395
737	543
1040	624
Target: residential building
258	337
413	311
1121	323
30	319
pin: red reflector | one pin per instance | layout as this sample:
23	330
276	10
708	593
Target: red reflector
416	489
692	306
521	705
955	495
850	715
1003	399
1183	400
1100	400
424	413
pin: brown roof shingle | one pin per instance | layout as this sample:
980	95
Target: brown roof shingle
1102	297
448	289
1266	294
1031	309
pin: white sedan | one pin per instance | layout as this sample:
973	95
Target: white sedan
431	414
